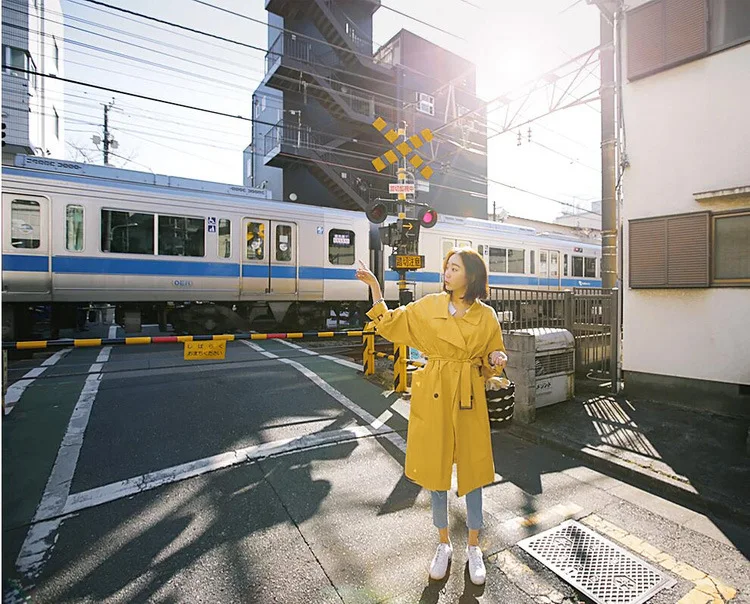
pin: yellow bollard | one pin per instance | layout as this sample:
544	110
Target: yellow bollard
368	350
400	352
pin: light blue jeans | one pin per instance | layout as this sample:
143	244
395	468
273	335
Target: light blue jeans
473	509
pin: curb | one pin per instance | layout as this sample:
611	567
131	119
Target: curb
676	491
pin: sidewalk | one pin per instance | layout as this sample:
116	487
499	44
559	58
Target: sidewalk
693	458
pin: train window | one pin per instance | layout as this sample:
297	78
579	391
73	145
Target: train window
448	245
225	238
127	232
340	246
256	240
532	263
516	261
182	236
578	266
283	243
498	260
590	267
25	224
74	228
565	265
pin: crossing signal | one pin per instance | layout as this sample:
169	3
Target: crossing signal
428	217
377	212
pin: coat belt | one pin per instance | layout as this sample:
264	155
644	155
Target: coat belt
465	383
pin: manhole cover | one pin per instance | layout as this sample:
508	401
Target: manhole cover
595	566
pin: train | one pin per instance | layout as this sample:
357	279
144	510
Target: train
209	257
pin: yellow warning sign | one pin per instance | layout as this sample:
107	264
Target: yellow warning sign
416	140
210	349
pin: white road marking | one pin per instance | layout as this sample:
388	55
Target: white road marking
104	354
401	406
366	416
328	357
139	484
16	390
112	332
42	535
382	420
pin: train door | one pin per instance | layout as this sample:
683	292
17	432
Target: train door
256	275
283	259
26	251
549	269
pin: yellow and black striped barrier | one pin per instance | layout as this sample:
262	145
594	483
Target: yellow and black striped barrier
141	340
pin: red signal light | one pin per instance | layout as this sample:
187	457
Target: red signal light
428	217
377	212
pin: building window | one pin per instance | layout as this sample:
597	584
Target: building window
225	238
262	103
731	248
127	232
256	241
25	224
181	236
56	54
74	228
57	123
32	73
341	247
669	251
283	243
729	23
16	58
426	103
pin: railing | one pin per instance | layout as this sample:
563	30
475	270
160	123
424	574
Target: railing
282	132
530	308
290	45
589	313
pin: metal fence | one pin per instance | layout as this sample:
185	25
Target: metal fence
589	313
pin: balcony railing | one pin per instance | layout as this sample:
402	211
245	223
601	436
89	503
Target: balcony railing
288	133
289	45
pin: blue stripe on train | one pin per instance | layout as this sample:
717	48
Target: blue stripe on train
132	266
187	268
30	264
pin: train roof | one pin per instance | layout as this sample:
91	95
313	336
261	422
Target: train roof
44	167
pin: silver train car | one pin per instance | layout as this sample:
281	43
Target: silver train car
209	257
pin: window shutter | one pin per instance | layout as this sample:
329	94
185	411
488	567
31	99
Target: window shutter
665	32
669	251
686	30
687	250
645	37
648	253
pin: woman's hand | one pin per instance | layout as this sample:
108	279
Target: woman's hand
498	360
365	275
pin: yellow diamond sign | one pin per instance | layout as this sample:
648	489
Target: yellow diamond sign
405	147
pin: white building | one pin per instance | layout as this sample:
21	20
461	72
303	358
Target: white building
686	202
32	105
583	219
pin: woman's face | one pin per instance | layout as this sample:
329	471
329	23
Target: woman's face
455	274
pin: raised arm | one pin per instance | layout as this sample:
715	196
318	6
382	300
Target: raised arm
399	325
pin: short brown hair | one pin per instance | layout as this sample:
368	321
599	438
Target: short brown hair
476	273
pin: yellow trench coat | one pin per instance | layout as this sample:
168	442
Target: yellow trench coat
448	421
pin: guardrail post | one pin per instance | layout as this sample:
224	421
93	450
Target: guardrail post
400	354
368	350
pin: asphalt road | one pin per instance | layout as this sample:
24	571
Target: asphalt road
277	476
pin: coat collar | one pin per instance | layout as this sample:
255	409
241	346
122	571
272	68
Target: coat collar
473	315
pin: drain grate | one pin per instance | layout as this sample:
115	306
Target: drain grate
595	566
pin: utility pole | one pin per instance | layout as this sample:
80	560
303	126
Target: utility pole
608	145
494	211
107	139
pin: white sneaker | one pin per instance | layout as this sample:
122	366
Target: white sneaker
439	565
477	571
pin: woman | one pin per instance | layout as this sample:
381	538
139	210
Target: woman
448	421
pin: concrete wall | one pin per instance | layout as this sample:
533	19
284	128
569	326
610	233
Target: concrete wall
687	130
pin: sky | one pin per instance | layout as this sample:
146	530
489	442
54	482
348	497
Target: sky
512	43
